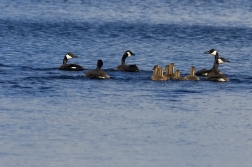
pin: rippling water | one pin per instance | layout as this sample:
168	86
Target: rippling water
59	118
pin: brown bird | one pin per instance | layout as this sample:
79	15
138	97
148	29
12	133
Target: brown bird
158	75
192	77
177	76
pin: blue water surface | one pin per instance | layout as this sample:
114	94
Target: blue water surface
54	118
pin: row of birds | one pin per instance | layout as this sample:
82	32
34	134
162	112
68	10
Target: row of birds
213	74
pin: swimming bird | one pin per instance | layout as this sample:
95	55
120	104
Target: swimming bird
129	67
158	74
177	76
192	77
155	73
167	74
70	67
155	66
216	75
214	52
97	73
169	71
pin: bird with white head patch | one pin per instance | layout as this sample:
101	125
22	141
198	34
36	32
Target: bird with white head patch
70	67
215	74
124	66
214	52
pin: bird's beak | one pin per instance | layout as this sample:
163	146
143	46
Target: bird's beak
207	52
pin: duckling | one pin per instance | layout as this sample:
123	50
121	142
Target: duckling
97	73
70	67
177	76
192	77
158	75
130	67
155	66
167	74
171	71
161	74
214	52
215	75
155	73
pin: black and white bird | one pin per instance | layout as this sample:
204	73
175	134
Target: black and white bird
124	66
70	67
214	52
215	74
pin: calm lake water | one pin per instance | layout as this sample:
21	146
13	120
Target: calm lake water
59	118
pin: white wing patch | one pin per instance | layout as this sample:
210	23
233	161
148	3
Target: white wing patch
68	56
73	67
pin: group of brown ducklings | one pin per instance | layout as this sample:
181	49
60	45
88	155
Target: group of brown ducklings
158	74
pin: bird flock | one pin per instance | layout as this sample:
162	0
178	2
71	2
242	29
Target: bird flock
213	74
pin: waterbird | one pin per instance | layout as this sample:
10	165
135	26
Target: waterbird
177	76
97	73
70	67
214	52
124	66
192	77
158	74
216	75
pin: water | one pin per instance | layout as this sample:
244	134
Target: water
59	118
